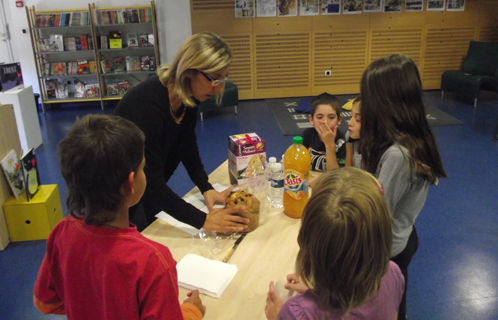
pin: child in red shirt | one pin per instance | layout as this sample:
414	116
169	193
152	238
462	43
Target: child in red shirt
97	265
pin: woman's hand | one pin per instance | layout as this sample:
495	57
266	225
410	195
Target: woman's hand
294	283
273	303
213	197
226	220
193	298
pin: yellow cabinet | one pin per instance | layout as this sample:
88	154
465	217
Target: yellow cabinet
35	219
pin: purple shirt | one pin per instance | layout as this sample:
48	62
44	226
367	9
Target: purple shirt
381	307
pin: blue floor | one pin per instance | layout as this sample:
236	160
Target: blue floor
454	274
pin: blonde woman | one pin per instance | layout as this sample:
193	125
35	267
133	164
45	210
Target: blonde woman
164	108
342	268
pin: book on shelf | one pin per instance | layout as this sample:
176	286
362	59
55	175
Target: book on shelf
51	87
131	39
83	41
132	16
103	42
144	63
92	90
118	64
123	86
77	41
152	63
70	44
61	91
12	169
56	42
111	87
133	63
83	67
79	89
42	44
46	69
89	40
105	66
151	39
59	69
31	175
143	39
91	66
70	68
115	40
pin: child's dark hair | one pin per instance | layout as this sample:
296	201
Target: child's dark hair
394	113
345	238
96	157
325	98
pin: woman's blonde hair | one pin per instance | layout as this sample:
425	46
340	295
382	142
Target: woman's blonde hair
345	238
206	52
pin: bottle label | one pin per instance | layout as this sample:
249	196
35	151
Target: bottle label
296	184
275	183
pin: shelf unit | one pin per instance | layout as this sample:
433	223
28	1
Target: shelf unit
55	22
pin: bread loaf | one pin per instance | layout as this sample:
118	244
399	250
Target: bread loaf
248	200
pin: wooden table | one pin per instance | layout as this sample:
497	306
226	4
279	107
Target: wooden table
266	254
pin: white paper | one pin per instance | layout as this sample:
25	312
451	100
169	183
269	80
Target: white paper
197	200
208	276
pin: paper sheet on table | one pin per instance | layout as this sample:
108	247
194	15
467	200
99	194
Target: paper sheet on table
197	200
208	276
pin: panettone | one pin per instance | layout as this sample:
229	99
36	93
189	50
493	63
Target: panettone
248	200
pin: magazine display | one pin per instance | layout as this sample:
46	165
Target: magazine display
31	176
13	172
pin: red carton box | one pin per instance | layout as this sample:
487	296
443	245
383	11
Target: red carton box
246	156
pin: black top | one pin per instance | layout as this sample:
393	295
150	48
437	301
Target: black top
166	145
311	140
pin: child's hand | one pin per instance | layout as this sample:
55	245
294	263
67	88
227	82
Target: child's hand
193	298
326	135
273	303
295	283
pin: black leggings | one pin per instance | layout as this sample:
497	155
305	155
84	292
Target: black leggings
403	261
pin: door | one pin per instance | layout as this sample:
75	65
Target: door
5	45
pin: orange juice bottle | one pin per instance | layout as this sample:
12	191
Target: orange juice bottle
297	162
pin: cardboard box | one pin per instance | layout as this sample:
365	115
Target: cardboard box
246	156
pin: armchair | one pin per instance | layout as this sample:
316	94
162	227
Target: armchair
479	71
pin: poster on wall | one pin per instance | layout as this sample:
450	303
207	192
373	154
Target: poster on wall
352	6
244	9
392	6
414	5
287	8
372	5
455	5
266	8
331	6
435	5
309	7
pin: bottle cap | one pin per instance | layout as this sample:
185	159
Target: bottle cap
272	159
297	140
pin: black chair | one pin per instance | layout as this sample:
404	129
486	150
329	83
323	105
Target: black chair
230	98
479	71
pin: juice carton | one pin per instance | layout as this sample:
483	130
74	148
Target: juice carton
246	156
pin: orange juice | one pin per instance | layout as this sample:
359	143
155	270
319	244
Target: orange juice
297	162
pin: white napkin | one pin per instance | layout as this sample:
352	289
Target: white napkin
197	200
208	276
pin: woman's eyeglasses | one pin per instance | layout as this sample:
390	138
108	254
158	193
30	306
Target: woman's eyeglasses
215	82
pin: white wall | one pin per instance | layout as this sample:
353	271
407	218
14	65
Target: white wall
173	22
